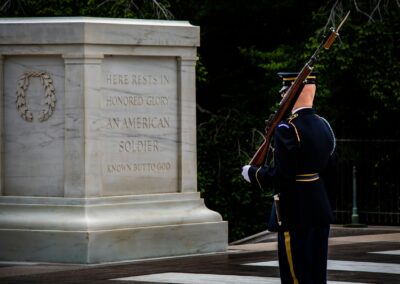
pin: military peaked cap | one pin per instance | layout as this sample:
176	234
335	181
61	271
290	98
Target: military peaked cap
289	77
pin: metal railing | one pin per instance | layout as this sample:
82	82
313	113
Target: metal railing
377	164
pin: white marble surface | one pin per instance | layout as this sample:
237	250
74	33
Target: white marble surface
125	118
112	174
197	278
389	252
109	215
137	124
201	278
78	30
111	245
33	151
361	266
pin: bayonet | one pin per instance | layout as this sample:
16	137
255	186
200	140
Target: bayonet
342	22
334	33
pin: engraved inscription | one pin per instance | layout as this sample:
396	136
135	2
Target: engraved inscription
132	101
123	101
137	79
139	146
137	122
138	118
156	101
138	167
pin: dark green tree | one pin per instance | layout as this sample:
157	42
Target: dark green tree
243	45
144	9
243	49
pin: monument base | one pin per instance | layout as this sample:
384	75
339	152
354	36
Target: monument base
98	141
98	230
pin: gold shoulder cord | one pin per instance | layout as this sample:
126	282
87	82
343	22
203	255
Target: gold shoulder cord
293	116
259	184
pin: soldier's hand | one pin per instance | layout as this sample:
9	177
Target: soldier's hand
245	173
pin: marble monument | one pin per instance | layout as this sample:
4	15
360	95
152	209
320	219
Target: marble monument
98	124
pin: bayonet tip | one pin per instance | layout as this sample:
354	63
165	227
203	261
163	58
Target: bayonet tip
342	22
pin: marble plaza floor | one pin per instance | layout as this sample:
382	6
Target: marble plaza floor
370	255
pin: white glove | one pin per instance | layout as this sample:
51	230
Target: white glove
245	173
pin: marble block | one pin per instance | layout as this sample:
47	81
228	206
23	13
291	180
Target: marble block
98	124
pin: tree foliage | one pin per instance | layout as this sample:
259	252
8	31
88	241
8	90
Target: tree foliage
243	45
357	90
144	9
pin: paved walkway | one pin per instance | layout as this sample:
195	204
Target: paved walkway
371	256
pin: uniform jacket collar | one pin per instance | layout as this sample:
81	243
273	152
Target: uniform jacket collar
304	111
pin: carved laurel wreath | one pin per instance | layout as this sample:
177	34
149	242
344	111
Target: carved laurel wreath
50	96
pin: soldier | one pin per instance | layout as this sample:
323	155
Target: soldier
303	151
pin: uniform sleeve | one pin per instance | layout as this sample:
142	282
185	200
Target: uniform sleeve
285	157
331	166
330	172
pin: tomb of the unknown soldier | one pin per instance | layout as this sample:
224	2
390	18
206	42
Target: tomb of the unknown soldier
98	142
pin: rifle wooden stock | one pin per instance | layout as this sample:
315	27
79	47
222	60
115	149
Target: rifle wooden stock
259	157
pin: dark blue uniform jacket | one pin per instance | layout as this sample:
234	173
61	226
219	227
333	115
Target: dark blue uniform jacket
304	151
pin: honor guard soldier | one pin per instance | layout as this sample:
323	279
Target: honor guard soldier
303	151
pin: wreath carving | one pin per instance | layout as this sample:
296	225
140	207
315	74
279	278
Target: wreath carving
49	91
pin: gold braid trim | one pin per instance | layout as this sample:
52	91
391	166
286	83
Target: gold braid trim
259	184
293	116
290	257
295	130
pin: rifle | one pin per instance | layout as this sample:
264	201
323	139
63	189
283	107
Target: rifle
290	97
